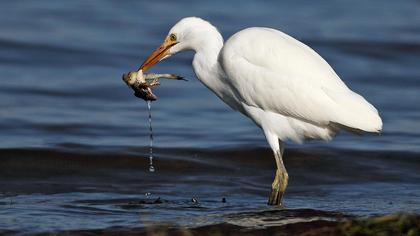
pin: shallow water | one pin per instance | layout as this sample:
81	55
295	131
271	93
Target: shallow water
50	190
74	140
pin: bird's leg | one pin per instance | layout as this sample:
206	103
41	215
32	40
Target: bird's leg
280	181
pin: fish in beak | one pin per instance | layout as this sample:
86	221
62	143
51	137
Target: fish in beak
142	84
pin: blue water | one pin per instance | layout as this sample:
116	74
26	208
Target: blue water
61	91
61	64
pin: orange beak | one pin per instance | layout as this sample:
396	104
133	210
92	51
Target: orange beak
157	55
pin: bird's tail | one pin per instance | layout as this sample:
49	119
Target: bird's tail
355	112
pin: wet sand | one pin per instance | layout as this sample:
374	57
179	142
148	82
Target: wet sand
388	225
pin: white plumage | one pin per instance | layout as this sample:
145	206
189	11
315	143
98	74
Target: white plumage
284	86
273	73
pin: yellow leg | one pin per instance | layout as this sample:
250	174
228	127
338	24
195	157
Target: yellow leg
280	182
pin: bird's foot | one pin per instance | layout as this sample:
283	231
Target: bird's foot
278	188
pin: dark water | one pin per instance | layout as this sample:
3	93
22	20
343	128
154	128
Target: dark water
74	140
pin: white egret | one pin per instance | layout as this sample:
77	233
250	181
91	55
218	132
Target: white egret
281	84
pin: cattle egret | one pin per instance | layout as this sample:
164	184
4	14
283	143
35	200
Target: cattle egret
281	84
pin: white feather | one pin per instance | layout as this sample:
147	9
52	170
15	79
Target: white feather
272	71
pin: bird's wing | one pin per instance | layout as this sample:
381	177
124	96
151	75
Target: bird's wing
273	71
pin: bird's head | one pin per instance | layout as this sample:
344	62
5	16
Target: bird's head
190	33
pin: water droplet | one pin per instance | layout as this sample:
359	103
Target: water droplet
151	166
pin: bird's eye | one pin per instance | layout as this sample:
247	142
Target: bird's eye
172	37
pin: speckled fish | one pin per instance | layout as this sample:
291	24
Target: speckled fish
142	84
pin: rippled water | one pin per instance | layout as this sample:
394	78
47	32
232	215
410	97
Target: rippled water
74	140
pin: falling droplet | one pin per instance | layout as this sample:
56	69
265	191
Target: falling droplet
151	166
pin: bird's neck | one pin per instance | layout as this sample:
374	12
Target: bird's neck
206	65
209	71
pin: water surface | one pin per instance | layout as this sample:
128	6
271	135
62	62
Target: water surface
74	140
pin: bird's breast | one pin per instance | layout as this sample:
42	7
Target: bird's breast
213	77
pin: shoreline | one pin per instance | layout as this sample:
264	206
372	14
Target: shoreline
392	224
